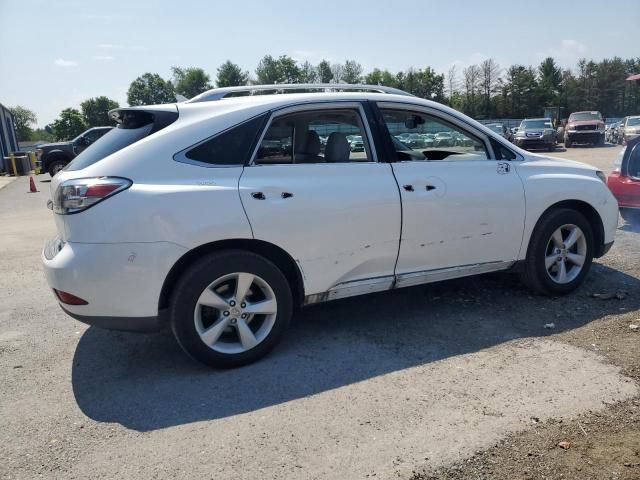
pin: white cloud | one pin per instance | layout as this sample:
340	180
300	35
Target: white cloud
107	46
61	62
567	53
105	58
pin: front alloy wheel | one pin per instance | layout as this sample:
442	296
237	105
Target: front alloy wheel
566	254
559	254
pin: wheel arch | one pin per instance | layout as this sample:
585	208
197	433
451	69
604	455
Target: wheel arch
589	212
271	252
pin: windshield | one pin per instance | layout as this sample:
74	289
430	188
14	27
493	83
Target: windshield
496	127
528	124
633	121
582	116
115	140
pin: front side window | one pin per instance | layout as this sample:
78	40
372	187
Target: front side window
418	136
315	136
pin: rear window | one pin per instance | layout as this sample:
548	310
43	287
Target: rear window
115	140
231	147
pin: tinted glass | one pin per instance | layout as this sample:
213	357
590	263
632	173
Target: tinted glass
115	140
318	136
531	124
231	147
421	137
582	116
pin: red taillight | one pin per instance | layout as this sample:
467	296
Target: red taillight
101	190
76	195
68	299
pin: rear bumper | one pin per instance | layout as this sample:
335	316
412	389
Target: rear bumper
126	324
121	282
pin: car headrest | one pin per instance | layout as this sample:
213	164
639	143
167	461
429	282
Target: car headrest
337	149
312	146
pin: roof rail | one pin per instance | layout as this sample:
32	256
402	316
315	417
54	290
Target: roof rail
220	93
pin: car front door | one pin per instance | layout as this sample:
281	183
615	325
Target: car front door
463	210
333	208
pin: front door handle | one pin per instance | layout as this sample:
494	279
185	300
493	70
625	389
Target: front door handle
287	195
408	188
258	195
430	187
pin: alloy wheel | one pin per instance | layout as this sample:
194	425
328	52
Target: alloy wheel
566	254
235	313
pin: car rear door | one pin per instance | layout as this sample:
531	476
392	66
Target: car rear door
462	208
334	210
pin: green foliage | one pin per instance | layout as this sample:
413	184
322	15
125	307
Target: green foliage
190	81
325	75
23	119
231	75
69	125
308	73
283	69
96	111
351	72
42	134
150	89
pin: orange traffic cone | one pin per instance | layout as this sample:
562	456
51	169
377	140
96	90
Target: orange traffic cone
32	185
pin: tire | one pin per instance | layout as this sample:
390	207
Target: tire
56	166
567	142
630	215
600	141
535	274
192	322
551	148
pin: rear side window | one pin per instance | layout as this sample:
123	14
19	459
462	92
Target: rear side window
115	140
231	147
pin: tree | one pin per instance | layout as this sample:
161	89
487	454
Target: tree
452	81
150	89
351	72
96	111
23	119
489	74
190	81
308	73
70	124
231	75
550	81
471	76
325	75
336	72
281	70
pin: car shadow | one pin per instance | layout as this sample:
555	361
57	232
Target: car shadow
145	382
630	227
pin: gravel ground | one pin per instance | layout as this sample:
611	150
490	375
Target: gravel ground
458	380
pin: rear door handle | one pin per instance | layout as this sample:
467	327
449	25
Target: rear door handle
408	188
258	195
287	195
430	187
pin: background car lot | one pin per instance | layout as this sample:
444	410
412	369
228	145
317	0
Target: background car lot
389	384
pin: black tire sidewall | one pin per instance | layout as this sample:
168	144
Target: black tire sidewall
202	274
53	164
540	240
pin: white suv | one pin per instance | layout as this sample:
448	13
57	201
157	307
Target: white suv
222	215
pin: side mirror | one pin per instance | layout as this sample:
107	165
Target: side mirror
413	121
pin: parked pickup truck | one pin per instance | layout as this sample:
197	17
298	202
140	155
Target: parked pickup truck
584	127
55	156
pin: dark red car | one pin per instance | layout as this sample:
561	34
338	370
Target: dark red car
624	181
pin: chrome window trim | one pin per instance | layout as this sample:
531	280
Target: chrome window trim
303	107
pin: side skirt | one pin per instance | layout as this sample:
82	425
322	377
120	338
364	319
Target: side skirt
379	284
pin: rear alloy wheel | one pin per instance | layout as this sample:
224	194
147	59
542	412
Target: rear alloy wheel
560	253
231	309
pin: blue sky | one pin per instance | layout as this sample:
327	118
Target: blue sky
56	53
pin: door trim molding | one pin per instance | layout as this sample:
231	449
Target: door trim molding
389	282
